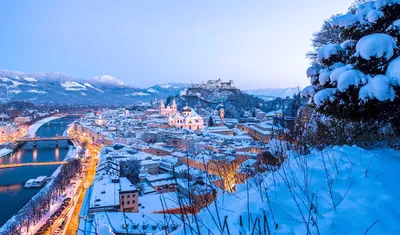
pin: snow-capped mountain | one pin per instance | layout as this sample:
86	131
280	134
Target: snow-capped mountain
272	93
108	80
63	88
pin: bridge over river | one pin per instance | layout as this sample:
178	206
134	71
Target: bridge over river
38	139
14	165
55	138
29	161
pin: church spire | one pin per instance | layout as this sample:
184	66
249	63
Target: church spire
173	106
162	105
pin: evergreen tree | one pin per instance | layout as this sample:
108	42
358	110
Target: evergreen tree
253	112
210	121
169	100
359	76
327	35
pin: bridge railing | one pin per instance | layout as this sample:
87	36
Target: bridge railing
44	139
12	165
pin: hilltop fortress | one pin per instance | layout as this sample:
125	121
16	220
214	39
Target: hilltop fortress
210	85
215	84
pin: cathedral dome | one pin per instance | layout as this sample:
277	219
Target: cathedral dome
186	109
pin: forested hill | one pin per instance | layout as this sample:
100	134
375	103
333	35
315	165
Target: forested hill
235	101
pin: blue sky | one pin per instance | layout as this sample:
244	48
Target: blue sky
257	44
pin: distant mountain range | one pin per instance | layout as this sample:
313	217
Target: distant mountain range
273	93
61	88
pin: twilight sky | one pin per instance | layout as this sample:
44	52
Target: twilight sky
257	44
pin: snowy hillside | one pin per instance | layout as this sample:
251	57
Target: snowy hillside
272	93
341	190
73	86
107	79
235	101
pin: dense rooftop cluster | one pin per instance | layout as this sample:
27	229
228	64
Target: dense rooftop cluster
147	167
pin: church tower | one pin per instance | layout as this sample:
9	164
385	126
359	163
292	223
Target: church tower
199	108
155	103
162	105
222	112
186	111
173	106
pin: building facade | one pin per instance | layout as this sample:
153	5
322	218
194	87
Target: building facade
168	111
188	119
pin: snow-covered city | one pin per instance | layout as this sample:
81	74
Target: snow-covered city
207	129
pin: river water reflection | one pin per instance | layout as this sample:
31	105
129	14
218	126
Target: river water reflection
13	195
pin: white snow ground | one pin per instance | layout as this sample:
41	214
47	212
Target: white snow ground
365	191
34	127
73	86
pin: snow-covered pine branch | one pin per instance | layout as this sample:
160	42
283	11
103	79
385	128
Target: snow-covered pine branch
358	74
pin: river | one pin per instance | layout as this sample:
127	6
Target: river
13	195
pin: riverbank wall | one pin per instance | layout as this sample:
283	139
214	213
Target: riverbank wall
72	153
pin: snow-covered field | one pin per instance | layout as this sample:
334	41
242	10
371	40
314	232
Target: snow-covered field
139	94
362	195
73	86
36	91
91	86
